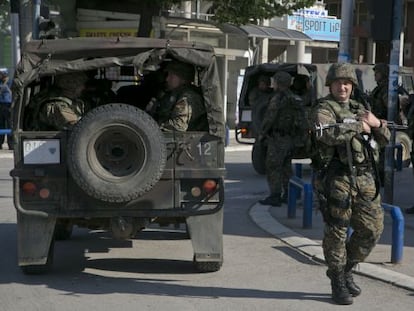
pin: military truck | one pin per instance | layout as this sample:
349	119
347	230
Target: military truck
245	130
115	170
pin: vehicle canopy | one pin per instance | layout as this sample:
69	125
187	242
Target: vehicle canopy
41	58
252	73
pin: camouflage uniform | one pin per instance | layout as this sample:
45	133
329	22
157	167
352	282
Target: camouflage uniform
280	142
60	106
259	99
379	96
182	108
379	106
346	185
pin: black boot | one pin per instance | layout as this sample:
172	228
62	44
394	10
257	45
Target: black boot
353	289
340	293
273	200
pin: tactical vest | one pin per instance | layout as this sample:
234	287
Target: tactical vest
360	146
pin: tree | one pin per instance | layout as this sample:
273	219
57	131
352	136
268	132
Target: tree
241	12
236	12
5	17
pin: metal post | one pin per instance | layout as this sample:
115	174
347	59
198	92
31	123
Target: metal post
347	16
36	18
392	98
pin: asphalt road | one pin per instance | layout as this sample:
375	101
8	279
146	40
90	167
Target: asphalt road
154	271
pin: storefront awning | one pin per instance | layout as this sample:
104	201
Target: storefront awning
272	33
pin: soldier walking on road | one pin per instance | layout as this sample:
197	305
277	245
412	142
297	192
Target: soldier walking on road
277	132
346	182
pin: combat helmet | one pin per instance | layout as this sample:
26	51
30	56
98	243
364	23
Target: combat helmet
282	78
183	70
341	71
382	68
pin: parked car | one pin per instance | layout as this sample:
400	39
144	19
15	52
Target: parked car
115	169
246	129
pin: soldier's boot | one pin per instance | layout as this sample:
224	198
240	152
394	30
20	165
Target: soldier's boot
353	288
273	200
340	293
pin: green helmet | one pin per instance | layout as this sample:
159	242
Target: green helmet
341	71
282	78
381	68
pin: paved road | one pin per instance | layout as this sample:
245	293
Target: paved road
154	271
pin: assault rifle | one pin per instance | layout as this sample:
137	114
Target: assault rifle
319	128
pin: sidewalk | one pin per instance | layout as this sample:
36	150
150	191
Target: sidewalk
378	265
308	241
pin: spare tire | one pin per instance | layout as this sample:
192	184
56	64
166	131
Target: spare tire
116	153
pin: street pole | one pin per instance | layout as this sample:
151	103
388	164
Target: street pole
36	18
347	17
397	14
15	33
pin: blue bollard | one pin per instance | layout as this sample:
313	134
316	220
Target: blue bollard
295	185
397	232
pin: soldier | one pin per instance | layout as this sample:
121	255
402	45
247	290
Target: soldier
379	105
182	107
259	99
346	181
60	106
277	134
5	103
379	95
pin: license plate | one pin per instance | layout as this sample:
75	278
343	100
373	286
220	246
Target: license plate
45	151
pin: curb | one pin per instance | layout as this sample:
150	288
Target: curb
262	217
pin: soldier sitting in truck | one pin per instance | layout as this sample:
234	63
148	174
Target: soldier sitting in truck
182	107
60	106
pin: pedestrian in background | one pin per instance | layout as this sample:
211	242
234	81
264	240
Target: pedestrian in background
5	104
346	181
277	133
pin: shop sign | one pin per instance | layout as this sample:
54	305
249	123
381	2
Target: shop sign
322	29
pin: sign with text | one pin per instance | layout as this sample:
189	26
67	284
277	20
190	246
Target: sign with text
323	29
102	32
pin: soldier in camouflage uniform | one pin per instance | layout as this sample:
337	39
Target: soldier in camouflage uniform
182	107
345	180
277	135
60	106
379	105
379	96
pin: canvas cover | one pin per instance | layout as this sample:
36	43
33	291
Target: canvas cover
54	57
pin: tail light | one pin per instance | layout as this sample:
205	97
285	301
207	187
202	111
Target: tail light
209	186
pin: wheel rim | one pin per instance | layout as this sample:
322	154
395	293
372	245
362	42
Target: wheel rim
117	152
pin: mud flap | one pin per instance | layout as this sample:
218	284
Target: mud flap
206	233
34	238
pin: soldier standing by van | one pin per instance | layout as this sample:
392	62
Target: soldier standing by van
379	105
346	180
277	133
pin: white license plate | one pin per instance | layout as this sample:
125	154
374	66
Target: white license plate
45	151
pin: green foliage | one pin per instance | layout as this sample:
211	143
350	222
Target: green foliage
241	12
5	16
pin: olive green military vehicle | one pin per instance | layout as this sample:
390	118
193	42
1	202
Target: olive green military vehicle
115	169
247	126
